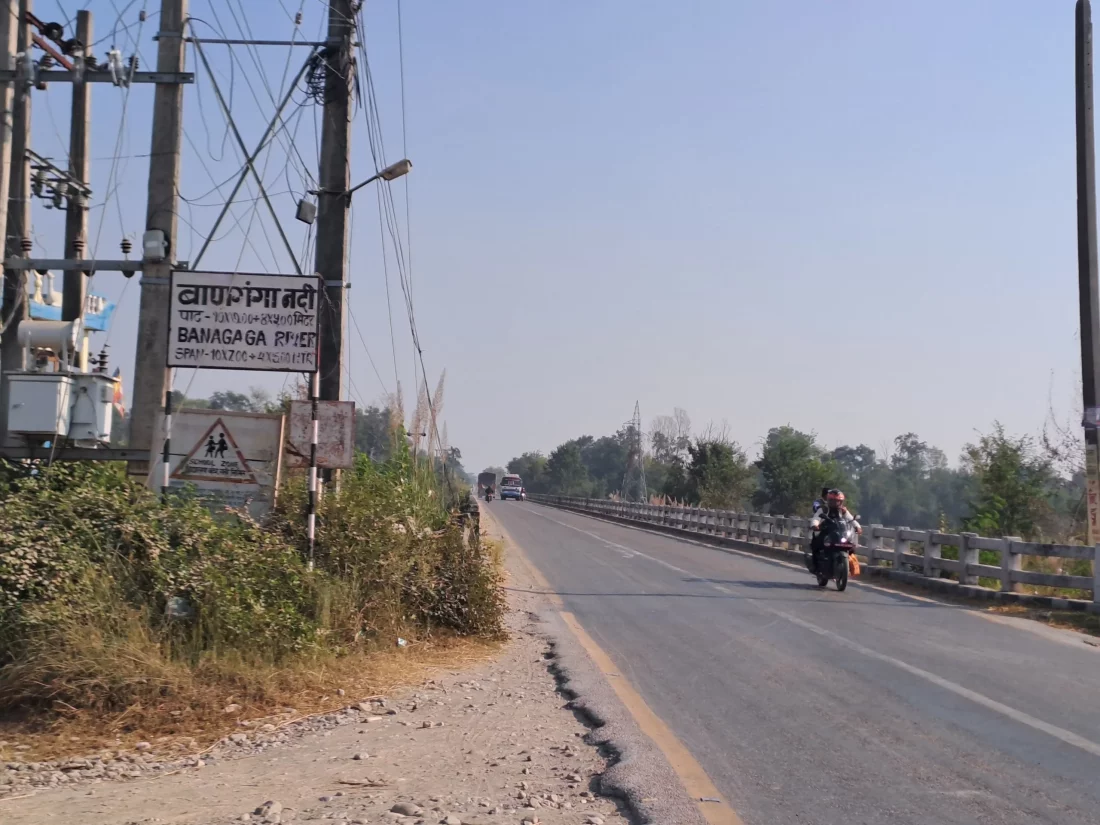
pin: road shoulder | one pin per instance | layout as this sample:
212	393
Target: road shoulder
657	777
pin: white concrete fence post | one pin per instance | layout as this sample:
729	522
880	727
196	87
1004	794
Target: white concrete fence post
1096	579
967	555
901	547
1010	563
874	544
932	554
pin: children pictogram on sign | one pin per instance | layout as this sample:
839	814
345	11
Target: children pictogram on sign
216	457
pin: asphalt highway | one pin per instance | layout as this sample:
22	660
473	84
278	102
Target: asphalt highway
811	706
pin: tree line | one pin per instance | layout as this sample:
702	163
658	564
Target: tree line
1025	486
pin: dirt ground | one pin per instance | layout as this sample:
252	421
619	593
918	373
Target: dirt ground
488	746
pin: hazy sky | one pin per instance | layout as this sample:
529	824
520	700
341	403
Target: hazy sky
854	217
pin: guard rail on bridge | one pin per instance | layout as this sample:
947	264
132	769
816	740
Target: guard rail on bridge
896	552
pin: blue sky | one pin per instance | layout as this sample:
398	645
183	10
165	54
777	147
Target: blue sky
694	204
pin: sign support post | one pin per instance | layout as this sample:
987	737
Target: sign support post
314	391
167	443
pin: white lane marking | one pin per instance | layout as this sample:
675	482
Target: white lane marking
1069	737
620	547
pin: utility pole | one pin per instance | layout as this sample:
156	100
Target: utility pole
152	379
76	218
9	16
634	483
1087	261
333	202
17	240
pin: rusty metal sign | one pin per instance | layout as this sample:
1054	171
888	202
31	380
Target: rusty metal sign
335	435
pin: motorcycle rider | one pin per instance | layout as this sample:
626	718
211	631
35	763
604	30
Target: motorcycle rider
834	507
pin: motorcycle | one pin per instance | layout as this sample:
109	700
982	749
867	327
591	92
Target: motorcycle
838	540
488	495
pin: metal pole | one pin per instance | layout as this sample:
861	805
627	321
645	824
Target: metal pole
314	381
166	456
332	203
1086	259
76	218
18	227
151	375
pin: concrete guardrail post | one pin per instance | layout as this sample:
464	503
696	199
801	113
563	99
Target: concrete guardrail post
874	544
1096	579
932	554
1010	563
967	555
901	547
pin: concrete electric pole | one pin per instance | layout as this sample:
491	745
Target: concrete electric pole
333	200
17	241
76	218
1089	289
152	379
9	30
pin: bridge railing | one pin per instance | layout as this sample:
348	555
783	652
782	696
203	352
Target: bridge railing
914	551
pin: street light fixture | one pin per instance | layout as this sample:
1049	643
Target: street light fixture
391	172
307	211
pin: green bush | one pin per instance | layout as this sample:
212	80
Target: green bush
102	586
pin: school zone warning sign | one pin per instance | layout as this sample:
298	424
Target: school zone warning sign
216	457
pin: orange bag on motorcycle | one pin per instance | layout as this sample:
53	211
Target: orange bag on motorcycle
853	565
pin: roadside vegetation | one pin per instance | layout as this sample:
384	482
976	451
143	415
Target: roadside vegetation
1002	485
128	614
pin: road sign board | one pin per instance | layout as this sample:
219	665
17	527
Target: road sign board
216	457
239	321
232	459
335	439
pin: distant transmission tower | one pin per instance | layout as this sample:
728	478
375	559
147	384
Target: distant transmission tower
634	486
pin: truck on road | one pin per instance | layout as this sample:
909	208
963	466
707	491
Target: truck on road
484	482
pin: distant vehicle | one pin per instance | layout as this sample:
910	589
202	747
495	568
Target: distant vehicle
485	483
511	487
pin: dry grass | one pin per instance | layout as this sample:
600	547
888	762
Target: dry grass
194	716
495	550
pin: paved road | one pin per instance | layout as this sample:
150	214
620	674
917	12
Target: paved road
822	707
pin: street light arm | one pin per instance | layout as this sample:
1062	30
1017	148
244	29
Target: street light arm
361	185
391	172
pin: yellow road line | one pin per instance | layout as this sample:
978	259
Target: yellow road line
691	774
